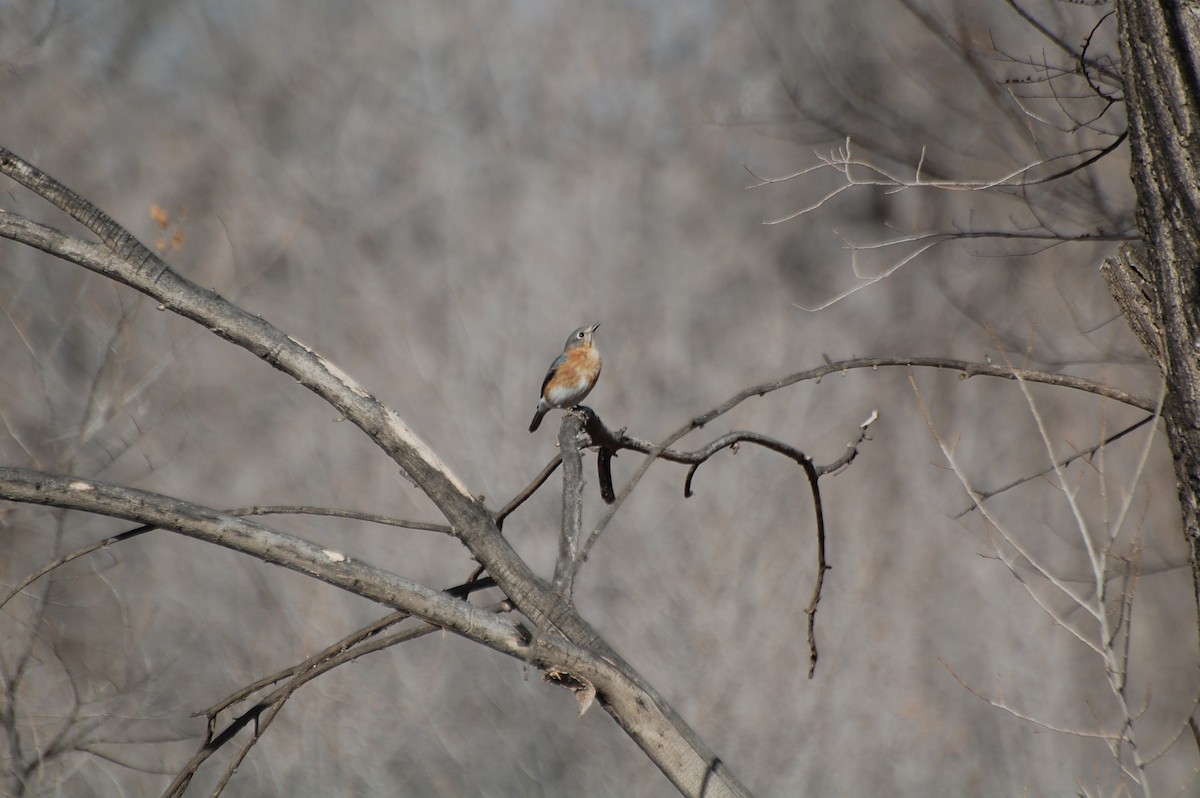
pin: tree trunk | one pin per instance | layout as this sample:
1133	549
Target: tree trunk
1160	42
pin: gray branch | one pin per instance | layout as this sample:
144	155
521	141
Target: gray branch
564	645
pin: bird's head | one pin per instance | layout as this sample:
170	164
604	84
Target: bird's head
582	337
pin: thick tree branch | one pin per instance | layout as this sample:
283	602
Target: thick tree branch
136	266
635	707
269	545
572	505
669	742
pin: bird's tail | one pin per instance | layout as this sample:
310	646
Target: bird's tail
537	417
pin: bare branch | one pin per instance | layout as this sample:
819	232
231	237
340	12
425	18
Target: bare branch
529	490
333	512
249	537
870	173
1110	634
1077	55
859	172
69	557
667	740
982	496
348	649
135	265
653	724
1001	704
965	368
610	443
572	505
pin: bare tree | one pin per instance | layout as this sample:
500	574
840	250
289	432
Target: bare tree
1055	115
1081	85
1047	181
556	640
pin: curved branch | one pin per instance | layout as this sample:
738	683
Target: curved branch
1058	42
263	712
650	721
1117	142
732	441
604	438
965	368
125	259
611	442
71	556
154	510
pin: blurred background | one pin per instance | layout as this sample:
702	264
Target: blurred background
433	195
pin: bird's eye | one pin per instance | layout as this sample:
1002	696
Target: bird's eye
580	335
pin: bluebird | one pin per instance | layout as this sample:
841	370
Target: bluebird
572	375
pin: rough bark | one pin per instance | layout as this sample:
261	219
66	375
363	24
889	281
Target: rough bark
1160	42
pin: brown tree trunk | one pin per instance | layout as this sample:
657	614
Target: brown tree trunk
1160	45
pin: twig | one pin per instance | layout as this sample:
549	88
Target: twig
333	512
1058	42
873	175
529	490
1002	705
1112	635
264	711
349	641
74	555
981	496
611	442
965	368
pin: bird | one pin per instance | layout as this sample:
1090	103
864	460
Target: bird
572	375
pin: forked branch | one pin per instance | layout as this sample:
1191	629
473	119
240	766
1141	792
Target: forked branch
652	723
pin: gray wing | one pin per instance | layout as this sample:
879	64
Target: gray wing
558	361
